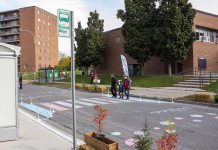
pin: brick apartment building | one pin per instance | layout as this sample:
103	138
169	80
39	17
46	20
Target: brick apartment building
35	31
203	56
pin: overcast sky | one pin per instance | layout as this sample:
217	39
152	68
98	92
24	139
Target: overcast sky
81	8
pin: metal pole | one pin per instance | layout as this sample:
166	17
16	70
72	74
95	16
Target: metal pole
73	78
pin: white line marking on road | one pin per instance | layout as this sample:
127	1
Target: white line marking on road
197	120
156	128
178	118
211	114
166	123
93	101
106	100
171	110
196	116
66	104
115	133
82	102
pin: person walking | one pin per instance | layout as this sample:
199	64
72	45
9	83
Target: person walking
121	88
20	81
92	76
113	86
126	85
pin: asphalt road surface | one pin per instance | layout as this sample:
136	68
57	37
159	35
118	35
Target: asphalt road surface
196	126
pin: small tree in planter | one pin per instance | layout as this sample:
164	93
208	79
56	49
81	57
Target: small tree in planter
144	142
98	140
169	139
101	115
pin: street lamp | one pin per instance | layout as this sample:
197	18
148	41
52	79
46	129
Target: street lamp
34	40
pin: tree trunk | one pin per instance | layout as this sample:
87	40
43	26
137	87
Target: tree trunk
169	69
142	68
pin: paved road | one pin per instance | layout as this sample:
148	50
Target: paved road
197	126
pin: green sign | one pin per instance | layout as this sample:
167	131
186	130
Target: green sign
63	23
50	74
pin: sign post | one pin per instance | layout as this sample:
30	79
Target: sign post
66	29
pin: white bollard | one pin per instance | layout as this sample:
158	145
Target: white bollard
172	99
21	98
158	100
31	101
108	94
53	111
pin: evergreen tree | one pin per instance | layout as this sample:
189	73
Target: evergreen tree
144	142
137	29
95	39
82	58
173	34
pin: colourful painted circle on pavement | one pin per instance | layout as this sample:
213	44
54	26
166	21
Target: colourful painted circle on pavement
139	133
211	114
130	142
216	117
197	120
178	118
156	128
166	123
196	116
115	133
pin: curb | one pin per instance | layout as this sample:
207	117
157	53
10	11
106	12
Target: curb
214	105
50	128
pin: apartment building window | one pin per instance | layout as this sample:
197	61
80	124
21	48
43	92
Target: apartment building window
49	23
40	50
40	57
40	66
48	16
48	30
44	21
39	43
117	39
206	35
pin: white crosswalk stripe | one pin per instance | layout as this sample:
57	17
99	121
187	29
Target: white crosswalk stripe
88	102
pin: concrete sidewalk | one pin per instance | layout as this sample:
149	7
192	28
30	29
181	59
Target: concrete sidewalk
164	92
34	136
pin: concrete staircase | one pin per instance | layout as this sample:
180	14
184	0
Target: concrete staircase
198	81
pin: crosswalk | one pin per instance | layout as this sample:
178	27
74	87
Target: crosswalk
82	102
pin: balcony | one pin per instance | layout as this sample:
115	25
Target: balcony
8	18
7	33
10	25
10	40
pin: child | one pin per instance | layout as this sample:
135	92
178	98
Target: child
121	88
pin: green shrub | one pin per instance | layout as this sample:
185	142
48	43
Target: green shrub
216	98
204	97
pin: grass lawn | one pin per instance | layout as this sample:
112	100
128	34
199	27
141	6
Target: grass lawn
138	81
213	87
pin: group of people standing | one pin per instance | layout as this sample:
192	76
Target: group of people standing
123	87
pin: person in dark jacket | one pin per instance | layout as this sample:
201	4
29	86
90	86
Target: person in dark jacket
92	76
121	88
20	81
113	86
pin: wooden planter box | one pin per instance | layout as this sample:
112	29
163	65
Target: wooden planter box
99	145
